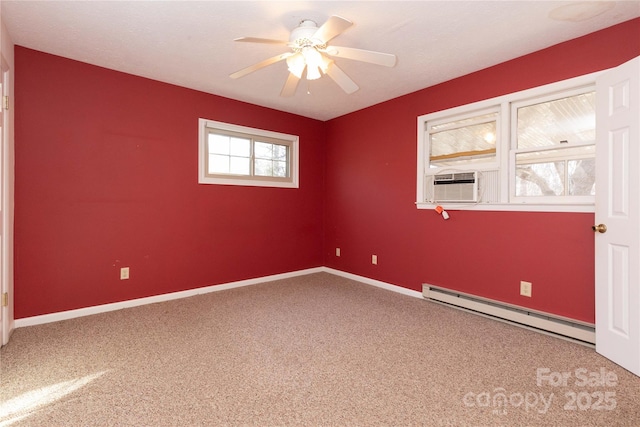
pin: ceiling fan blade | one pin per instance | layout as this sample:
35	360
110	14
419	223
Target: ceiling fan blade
290	86
379	58
344	81
259	40
334	26
259	65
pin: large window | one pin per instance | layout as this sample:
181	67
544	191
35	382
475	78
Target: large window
531	150
237	155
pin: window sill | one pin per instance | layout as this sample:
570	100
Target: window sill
514	207
248	182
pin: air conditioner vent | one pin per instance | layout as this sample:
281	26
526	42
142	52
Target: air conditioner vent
455	187
459	177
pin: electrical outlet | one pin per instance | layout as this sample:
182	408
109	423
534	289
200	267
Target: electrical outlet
337	251
374	259
525	288
124	273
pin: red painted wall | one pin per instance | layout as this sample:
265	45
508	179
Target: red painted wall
371	186
106	177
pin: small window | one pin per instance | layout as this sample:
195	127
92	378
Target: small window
463	141
237	155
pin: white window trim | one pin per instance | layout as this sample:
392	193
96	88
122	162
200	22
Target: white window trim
503	151
203	178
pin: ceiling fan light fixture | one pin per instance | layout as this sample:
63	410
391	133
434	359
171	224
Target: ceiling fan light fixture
314	61
312	57
313	72
296	64
325	63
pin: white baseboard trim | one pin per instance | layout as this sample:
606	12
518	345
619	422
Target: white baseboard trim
373	282
71	314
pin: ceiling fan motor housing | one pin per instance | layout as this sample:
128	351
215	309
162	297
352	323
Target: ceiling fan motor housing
302	35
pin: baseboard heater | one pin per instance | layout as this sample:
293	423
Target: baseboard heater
559	326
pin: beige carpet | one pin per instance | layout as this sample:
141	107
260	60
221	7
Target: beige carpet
317	350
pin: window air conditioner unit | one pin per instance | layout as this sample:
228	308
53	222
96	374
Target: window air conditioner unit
455	187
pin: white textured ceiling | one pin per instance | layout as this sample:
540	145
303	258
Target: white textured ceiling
190	43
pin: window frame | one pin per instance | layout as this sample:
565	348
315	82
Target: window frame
206	126
504	164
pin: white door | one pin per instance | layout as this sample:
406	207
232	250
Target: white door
617	215
4	312
6	206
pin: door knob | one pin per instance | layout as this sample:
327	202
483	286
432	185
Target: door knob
600	228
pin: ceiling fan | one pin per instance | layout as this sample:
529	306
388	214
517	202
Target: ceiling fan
310	50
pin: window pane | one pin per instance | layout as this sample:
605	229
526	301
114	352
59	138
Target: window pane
239	165
266	150
263	167
582	177
280	152
280	168
218	164
270	159
263	150
540	179
559	172
464	122
270	168
240	147
463	141
218	144
566	120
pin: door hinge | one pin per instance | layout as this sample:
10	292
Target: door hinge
5	102
5	299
